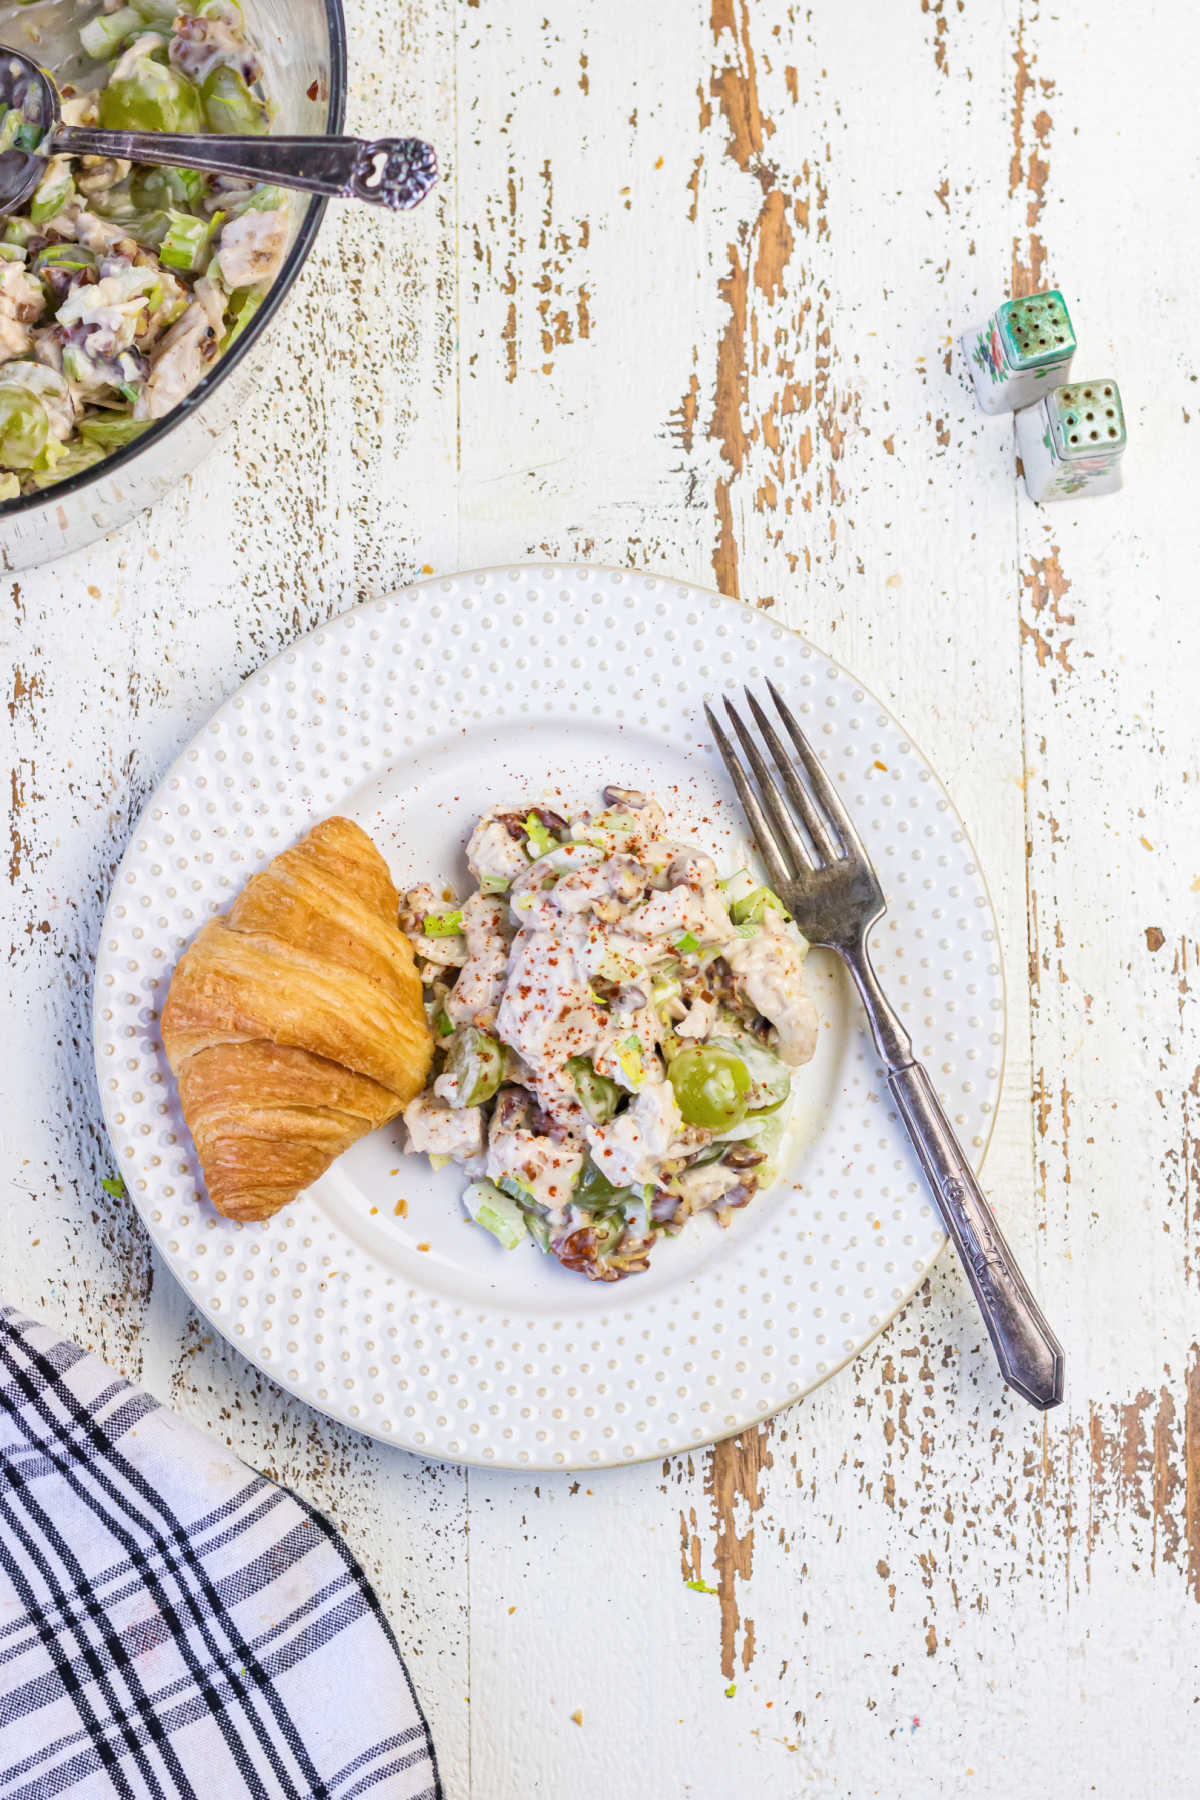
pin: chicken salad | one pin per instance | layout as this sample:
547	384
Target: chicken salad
617	1031
122	284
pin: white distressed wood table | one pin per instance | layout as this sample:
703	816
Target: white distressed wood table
687	299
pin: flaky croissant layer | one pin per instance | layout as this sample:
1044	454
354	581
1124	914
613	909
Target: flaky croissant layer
294	1022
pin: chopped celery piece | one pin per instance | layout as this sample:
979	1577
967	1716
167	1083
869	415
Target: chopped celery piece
598	1096
156	189
160	13
63	256
53	191
11	253
496	1212
607	828
103	36
688	944
18	231
227	10
442	1023
111	434
536	1223
151	97
66	462
538	1227
508	1184
188	242
752	906
263	199
442	924
475	1064
242	308
229	105
540	840
737	886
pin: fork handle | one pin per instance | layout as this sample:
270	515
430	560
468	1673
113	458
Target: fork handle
1030	1356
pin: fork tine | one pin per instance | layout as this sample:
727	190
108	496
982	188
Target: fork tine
768	849
823	787
781	819
801	799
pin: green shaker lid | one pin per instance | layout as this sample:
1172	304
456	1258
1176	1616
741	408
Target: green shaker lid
1087	419
1036	331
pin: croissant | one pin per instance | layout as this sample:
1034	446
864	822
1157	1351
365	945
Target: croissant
294	1022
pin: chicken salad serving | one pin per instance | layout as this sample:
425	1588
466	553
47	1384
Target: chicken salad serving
122	284
616	1028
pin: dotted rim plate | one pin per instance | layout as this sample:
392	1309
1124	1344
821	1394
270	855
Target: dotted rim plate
715	1338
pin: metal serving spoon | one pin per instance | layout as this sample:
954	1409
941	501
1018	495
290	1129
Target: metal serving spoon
392	172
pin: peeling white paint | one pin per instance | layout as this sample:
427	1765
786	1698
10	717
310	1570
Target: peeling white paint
937	1594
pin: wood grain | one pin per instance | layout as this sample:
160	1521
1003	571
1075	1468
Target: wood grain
687	299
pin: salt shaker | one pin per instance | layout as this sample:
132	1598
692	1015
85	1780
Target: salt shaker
1017	353
1072	440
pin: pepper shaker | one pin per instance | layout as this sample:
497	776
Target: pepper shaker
1017	353
1072	441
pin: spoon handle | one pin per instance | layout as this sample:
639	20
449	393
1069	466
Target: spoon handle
392	172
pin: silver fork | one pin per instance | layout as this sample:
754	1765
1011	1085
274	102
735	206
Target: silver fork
833	893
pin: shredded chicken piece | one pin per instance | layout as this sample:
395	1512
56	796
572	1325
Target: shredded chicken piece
770	967
22	303
437	1129
630	1147
252	246
95	234
493	853
184	354
679	910
544	1167
699	1021
476	995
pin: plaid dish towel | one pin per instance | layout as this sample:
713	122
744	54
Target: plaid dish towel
174	1626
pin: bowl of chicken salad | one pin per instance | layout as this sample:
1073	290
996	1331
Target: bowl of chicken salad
617	1028
133	300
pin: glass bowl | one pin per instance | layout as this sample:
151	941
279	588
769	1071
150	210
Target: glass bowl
303	43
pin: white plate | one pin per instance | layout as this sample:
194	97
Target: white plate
411	715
